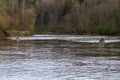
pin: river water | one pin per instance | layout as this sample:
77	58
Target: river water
60	57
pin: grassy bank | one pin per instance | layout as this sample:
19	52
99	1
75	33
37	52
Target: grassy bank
18	33
13	33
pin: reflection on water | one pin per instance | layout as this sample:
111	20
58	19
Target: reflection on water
59	60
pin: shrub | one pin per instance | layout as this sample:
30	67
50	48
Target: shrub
106	29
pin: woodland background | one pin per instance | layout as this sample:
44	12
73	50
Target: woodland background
83	17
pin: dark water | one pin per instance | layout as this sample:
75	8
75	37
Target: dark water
58	60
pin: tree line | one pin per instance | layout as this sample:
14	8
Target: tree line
16	15
99	17
89	17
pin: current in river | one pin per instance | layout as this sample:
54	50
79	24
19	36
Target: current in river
60	57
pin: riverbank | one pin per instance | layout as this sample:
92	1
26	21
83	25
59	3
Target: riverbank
4	34
65	33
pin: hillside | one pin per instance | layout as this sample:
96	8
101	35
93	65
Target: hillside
91	17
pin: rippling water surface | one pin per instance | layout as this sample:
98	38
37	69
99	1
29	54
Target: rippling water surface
59	57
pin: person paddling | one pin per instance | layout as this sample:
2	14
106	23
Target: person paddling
17	38
101	42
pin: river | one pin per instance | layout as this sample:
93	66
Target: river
60	57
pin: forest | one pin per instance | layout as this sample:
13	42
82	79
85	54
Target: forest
81	17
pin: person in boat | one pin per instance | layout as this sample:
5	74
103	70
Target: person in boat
17	38
101	42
